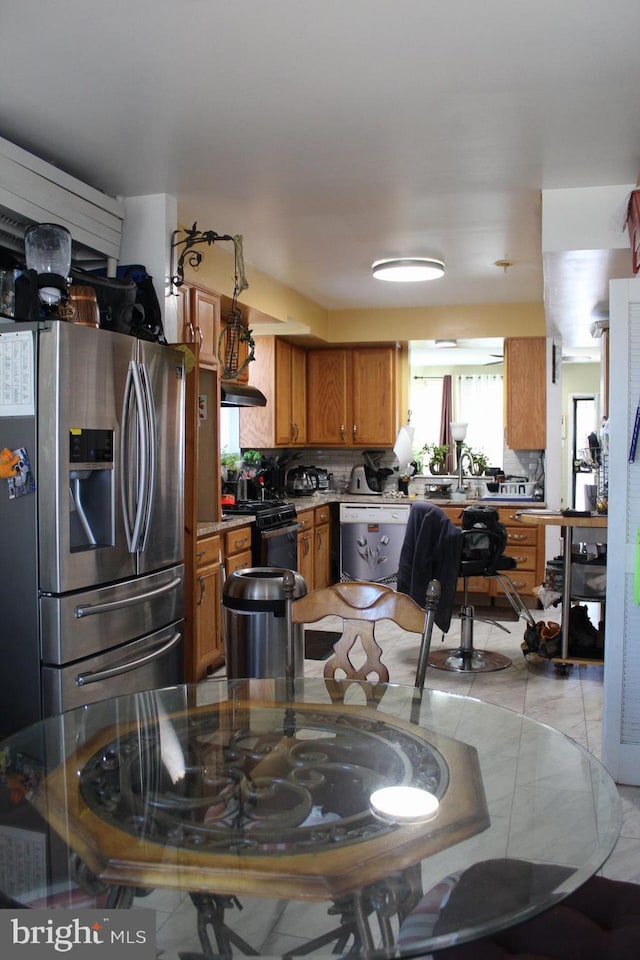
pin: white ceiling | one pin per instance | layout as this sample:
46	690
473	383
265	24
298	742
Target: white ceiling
336	132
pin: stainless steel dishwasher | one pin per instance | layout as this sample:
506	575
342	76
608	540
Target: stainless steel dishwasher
371	538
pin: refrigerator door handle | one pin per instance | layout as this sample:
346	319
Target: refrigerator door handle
151	435
96	675
94	608
133	390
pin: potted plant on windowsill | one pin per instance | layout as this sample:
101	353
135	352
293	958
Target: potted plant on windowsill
229	464
479	461
435	457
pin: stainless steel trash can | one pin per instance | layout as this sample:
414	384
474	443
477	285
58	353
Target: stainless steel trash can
255	623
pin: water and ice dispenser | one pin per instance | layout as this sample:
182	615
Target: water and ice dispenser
91	493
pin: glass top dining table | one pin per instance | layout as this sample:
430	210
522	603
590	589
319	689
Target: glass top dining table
280	790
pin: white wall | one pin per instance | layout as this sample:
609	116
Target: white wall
146	239
621	718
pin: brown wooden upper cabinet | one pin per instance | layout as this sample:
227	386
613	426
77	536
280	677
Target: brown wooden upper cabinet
200	312
279	371
291	394
525	377
352	396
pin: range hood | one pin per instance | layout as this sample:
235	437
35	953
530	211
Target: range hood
234	394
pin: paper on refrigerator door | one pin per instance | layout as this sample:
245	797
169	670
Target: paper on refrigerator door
17	387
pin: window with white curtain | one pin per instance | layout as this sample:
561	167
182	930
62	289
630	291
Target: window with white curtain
230	429
425	403
477	400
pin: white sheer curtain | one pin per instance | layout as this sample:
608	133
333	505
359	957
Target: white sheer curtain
425	403
478	400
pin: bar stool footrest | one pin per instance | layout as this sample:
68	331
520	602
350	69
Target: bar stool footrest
459	660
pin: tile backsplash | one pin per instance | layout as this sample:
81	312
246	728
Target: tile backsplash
520	463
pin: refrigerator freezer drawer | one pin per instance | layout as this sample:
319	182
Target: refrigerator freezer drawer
84	624
151	662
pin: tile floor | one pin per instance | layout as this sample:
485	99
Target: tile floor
571	703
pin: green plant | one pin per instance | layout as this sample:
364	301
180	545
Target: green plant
229	460
435	451
435	456
479	461
252	456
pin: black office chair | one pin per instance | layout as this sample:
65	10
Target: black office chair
483	544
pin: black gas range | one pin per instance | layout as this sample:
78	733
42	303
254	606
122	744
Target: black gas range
274	533
269	514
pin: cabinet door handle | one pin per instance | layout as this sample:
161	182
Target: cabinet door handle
342	431
200	337
517	536
203	590
192	332
307	545
519	559
355	432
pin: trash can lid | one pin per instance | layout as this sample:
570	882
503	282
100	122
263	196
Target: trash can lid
262	584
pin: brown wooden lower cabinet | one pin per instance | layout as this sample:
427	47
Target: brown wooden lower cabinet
321	547
305	546
237	549
207	652
314	546
524	542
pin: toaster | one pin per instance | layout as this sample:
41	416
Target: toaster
319	477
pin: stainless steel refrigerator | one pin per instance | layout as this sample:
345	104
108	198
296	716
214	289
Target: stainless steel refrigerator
91	576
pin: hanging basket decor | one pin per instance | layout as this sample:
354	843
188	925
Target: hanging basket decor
232	336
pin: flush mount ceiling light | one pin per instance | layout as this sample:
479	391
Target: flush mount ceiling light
408	269
446	343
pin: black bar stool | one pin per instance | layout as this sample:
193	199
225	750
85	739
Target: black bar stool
465	658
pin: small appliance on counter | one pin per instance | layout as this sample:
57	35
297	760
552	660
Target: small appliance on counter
299	483
368	478
320	478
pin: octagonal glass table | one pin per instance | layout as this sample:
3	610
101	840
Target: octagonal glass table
251	788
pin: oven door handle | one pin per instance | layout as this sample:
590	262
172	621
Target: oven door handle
279	531
94	676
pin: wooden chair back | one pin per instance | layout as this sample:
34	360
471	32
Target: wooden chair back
360	605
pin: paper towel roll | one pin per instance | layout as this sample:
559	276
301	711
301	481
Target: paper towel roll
403	446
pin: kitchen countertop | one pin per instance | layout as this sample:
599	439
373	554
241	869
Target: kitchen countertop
208	528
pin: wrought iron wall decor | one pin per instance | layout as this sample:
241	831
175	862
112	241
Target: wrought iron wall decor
193	258
234	332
